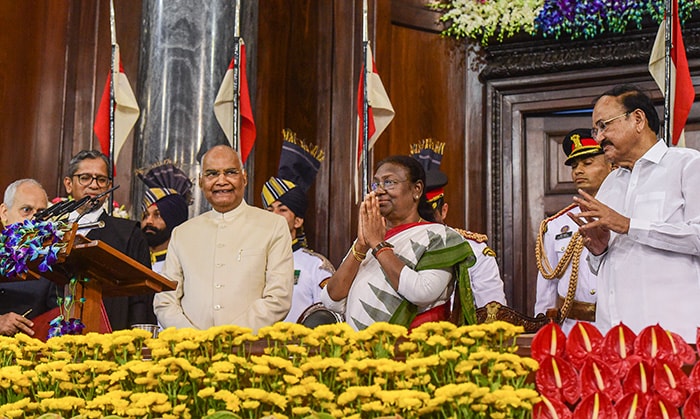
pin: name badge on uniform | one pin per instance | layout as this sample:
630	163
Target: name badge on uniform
565	233
297	272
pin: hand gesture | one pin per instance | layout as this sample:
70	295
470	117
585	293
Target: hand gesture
372	224
596	220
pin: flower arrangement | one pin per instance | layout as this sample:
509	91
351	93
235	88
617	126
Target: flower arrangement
495	20
63	324
619	375
28	241
285	371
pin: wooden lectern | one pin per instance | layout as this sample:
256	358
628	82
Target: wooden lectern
100	270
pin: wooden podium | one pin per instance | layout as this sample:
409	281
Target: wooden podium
100	270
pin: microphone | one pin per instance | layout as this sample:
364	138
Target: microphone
94	202
52	210
62	208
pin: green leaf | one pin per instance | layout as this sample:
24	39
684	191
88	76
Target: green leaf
222	414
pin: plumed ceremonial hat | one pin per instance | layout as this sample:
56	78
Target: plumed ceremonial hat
578	143
299	164
429	154
170	190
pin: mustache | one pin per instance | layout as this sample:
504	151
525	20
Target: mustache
151	229
604	143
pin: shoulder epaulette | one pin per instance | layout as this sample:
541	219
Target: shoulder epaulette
470	235
562	212
544	224
326	264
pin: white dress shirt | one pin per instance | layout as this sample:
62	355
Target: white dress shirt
652	274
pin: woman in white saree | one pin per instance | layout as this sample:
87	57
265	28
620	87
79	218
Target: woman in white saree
403	267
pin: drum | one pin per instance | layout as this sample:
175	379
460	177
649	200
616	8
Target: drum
317	314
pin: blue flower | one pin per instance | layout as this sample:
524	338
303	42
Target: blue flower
30	241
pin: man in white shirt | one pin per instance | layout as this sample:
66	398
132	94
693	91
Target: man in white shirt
643	227
563	293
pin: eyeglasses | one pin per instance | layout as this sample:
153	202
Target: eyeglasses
386	184
214	174
85	179
600	126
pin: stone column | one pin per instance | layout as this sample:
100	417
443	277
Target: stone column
186	46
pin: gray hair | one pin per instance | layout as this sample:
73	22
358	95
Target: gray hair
9	198
84	155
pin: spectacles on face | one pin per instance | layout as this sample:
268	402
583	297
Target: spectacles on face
214	174
386	184
600	126
85	179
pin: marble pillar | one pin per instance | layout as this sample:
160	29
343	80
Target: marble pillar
185	49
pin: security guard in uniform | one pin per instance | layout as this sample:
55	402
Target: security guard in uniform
566	287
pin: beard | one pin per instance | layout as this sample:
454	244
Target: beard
155	236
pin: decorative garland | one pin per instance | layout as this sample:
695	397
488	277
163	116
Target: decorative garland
492	21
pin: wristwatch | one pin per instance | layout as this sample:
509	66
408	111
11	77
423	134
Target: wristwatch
381	245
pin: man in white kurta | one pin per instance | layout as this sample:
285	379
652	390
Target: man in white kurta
232	265
644	224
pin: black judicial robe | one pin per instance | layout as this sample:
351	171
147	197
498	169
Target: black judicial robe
127	237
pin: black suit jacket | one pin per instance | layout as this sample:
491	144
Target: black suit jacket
38	295
127	237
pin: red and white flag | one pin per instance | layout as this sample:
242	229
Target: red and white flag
223	107
380	113
682	90
126	110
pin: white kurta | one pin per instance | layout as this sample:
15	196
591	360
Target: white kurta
555	241
310	270
232	268
652	274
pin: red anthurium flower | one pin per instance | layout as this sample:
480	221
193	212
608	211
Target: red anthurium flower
618	346
691	408
654	343
584	339
670	382
685	353
631	406
595	406
557	379
694	379
638	379
658	408
549	341
550	409
596	377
